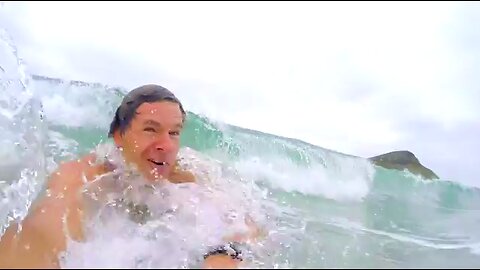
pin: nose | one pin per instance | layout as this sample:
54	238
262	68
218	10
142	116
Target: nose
164	143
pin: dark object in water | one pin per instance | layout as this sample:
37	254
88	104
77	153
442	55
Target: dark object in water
401	160
139	213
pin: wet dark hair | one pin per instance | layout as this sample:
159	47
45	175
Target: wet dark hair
147	93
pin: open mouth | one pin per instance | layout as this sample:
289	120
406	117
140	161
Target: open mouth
158	163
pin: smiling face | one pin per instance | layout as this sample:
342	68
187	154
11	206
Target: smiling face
152	140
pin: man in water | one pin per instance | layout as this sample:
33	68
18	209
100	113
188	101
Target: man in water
146	128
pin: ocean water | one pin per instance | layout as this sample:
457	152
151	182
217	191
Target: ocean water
320	208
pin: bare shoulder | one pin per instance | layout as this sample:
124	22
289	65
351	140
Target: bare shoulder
182	176
74	173
82	165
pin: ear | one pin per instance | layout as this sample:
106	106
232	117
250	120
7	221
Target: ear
117	138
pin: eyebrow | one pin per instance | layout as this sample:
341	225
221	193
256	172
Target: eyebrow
152	122
179	125
157	124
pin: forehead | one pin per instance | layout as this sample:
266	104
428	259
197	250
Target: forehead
164	112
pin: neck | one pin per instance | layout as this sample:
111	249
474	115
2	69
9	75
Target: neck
113	158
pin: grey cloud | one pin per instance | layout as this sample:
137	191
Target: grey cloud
449	151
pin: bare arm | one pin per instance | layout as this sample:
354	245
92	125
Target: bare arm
43	231
225	261
220	262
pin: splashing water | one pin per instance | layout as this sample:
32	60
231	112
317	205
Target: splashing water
319	208
183	220
23	137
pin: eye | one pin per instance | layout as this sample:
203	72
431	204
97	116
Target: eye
174	133
149	129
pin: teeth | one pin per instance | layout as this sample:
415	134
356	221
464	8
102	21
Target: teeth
158	163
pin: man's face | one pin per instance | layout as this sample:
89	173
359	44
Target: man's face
152	140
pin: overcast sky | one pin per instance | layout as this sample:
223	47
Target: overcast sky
360	78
